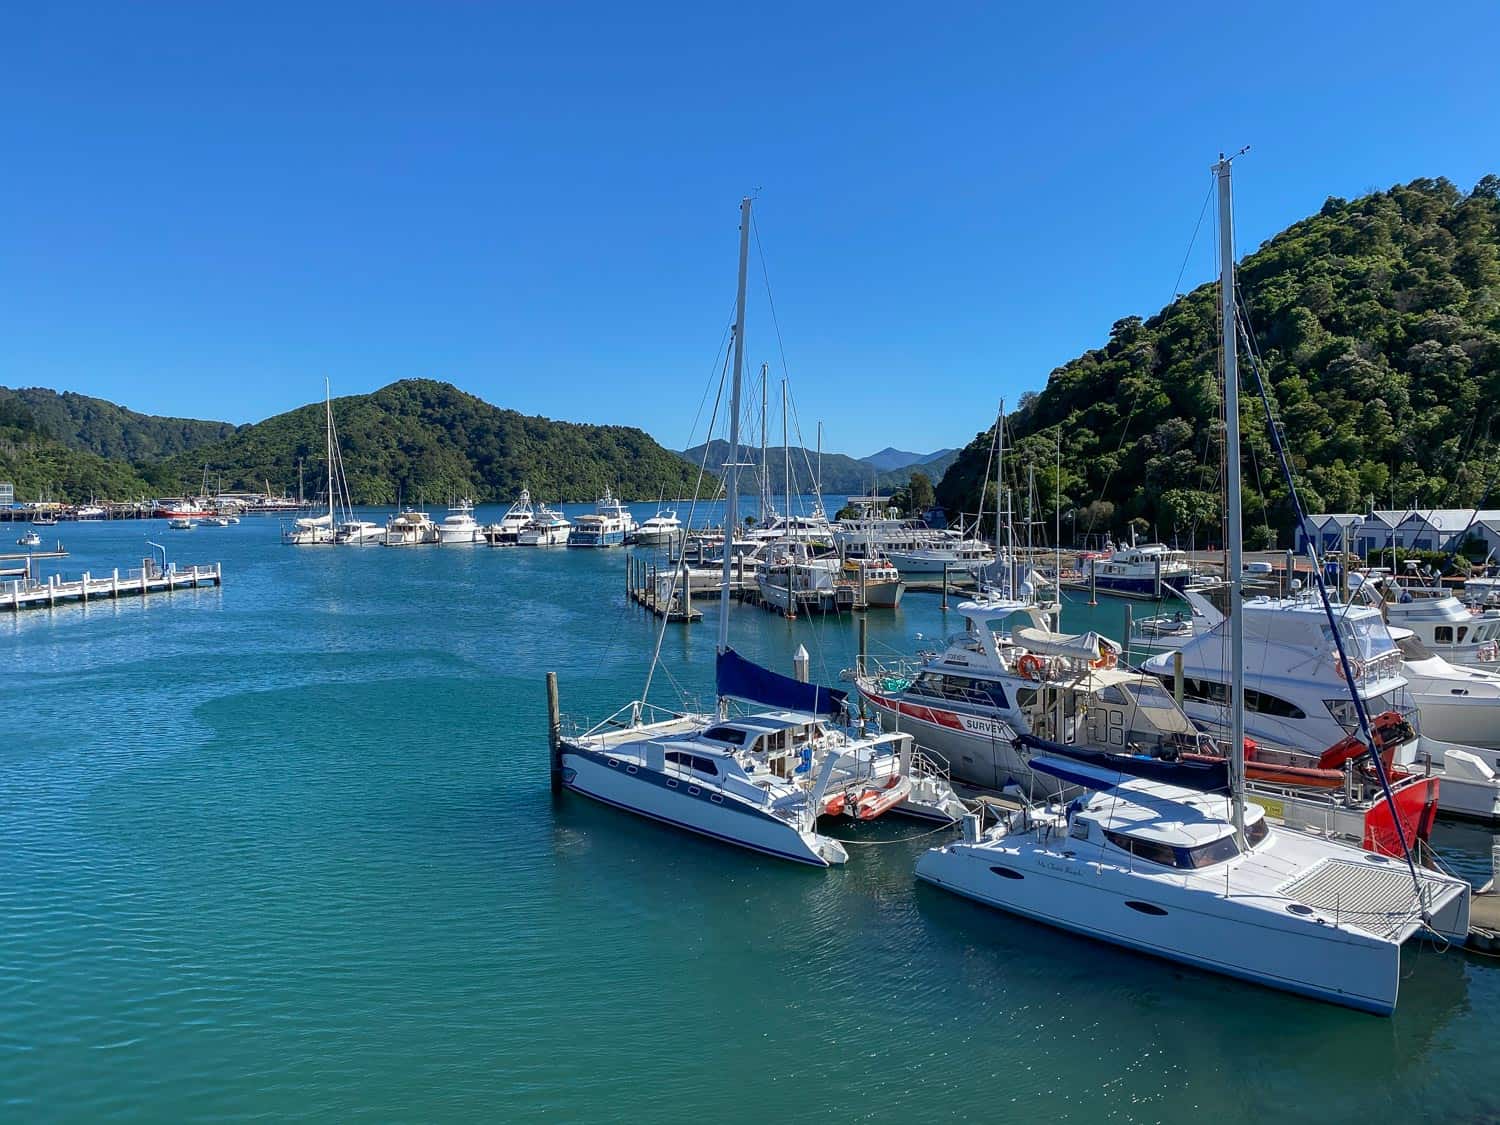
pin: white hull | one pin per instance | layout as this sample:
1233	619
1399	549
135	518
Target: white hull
552	537
451	536
687	806
1192	926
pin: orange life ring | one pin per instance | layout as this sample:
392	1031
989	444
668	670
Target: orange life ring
1030	666
1106	660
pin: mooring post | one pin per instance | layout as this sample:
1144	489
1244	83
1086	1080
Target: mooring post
1093	581
1177	676
945	588
554	733
864	646
802	664
1158	578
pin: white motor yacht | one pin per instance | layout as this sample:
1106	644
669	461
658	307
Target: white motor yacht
1151	570
410	528
517	518
310	531
794	579
1457	703
610	525
30	539
458	526
548	528
661	530
356	533
1297	702
1444	625
946	550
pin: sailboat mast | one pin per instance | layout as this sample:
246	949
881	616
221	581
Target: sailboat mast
765	470
328	436
732	493
786	460
1235	531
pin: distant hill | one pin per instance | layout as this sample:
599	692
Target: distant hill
891	458
424	440
100	427
841	475
1378	322
39	465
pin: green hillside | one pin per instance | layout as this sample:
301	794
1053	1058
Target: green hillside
41	466
96	426
1379	324
419	439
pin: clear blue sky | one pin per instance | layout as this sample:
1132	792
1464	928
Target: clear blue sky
206	209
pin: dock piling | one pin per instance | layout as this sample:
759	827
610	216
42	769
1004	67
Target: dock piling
554	733
945	588
1177	676
1093	582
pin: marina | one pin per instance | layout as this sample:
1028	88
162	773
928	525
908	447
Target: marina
296	636
136	582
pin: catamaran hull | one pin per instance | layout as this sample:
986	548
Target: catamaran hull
1353	970
681	804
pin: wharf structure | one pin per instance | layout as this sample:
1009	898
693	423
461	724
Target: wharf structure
149	578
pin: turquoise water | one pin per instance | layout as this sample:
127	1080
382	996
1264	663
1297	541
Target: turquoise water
287	849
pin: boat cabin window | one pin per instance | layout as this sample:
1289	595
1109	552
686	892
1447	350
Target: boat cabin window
1443	635
1463	631
1113	694
1166	855
732	735
959	688
1025	697
695	762
1256	832
1149	693
1260	702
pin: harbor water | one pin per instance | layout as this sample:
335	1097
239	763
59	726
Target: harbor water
287	849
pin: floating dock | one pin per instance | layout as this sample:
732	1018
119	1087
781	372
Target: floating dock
29	593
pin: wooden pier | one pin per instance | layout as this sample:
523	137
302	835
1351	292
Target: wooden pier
29	593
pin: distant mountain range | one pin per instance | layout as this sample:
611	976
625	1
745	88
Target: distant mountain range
417	439
841	475
890	458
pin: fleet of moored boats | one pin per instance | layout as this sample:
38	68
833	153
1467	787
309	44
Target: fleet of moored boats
1263	816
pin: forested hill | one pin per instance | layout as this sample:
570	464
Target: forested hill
97	426
42	467
1378	321
424	440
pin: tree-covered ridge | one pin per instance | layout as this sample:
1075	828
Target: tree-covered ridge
1378	322
40	466
97	426
419	439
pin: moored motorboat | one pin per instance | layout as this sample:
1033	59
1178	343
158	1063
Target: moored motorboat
547	528
517	518
458	526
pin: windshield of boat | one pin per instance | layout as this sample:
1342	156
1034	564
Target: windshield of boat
1367	636
1168	855
1413	649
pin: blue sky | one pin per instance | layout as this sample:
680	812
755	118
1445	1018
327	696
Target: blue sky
207	209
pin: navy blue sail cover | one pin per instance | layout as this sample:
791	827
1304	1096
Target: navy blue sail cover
739	678
1190	773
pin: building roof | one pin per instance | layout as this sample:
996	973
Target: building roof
1449	520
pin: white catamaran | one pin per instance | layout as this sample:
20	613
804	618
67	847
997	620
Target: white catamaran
760	781
1201	878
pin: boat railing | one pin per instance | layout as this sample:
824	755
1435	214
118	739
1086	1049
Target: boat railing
634	714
